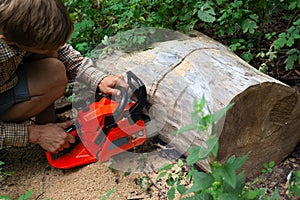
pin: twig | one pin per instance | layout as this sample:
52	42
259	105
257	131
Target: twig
40	195
155	185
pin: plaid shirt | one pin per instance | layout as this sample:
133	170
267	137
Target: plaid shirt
11	57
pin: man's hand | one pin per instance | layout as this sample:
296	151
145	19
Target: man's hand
51	137
108	84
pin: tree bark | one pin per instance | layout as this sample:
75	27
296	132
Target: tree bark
263	123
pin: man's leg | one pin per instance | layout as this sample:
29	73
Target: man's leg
46	83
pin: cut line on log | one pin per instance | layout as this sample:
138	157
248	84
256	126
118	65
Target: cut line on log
169	71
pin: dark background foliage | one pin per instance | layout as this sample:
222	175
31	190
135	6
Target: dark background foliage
264	33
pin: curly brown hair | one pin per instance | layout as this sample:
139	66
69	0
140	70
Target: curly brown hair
40	24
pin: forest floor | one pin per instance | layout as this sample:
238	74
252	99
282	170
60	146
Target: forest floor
128	177
124	179
31	171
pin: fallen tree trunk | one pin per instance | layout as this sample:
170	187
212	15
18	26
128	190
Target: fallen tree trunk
263	123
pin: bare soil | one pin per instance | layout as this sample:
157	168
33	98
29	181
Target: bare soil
31	171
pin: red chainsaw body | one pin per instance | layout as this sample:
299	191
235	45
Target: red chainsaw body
102	145
124	136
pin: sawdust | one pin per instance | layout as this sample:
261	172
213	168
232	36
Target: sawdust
94	181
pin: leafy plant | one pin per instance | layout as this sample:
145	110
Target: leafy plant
249	27
268	167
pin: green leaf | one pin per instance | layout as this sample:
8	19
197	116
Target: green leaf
215	149
203	122
293	51
211	142
5	197
241	181
195	117
26	196
227	196
290	61
290	41
166	167
180	163
206	13
170	180
237	162
279	43
297	23
219	2
247	56
271	164
249	25
107	195
240	161
220	113
185	129
253	194
161	175
201	181
227	172
181	189
171	193
197	153
198	107
201	196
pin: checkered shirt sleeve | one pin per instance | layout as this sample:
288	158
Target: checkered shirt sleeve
12	134
80	68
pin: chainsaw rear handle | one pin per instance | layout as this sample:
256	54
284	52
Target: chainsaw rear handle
70	130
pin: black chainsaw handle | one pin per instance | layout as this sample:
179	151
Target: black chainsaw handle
140	92
123	102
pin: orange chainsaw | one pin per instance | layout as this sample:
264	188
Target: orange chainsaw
106	128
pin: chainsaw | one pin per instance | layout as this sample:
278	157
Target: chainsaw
106	128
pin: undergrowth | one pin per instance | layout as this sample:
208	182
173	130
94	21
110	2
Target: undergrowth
263	33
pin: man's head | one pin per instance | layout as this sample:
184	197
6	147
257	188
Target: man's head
39	24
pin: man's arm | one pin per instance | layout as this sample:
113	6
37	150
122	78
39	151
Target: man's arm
83	70
20	135
79	67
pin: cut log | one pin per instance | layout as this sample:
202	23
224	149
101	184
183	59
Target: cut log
264	122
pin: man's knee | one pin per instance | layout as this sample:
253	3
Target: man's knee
46	74
57	71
